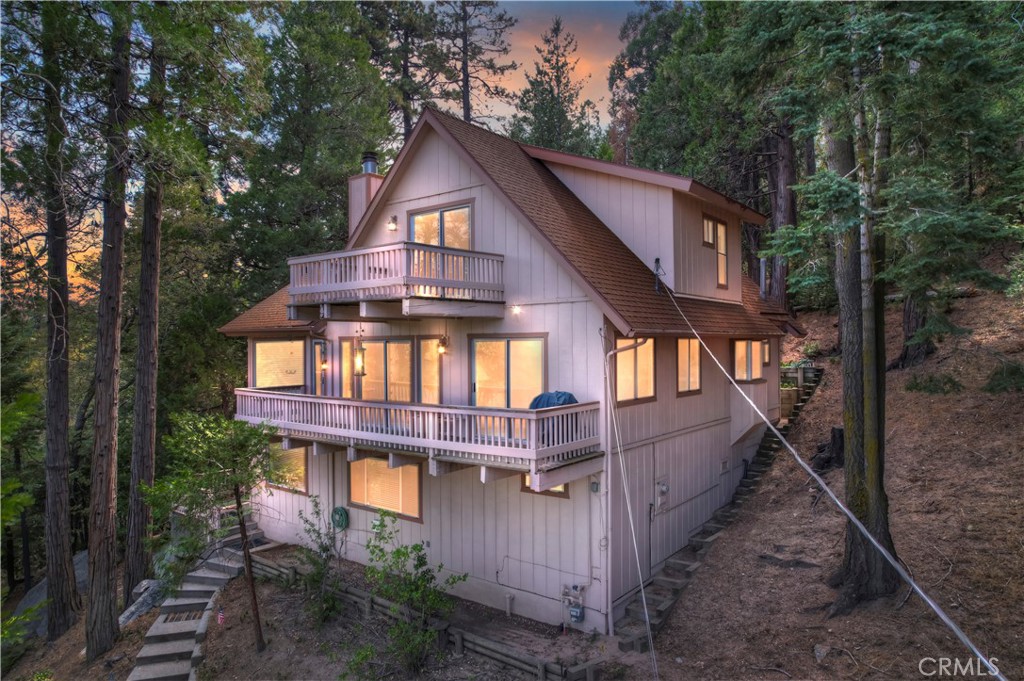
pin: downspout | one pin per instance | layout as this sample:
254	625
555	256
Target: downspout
609	405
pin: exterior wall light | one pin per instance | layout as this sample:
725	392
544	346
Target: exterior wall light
393	223
442	345
359	361
517	309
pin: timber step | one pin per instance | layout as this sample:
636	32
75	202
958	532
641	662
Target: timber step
178	670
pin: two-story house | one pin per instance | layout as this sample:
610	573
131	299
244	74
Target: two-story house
480	273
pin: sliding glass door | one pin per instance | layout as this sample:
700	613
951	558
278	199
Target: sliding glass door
507	374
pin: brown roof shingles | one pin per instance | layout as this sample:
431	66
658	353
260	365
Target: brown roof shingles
269	316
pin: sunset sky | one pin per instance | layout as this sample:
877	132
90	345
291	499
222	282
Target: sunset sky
596	27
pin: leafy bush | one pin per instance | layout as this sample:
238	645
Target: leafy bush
811	349
1016	272
322	582
403	575
1005	378
934	384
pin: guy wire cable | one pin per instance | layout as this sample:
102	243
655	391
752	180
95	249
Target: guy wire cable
993	671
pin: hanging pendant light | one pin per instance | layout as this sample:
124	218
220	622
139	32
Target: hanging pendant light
359	356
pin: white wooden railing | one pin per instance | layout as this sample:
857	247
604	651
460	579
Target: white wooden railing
402	270
548	436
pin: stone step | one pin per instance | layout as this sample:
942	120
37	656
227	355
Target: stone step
184	604
675	584
747	483
162	630
190	589
207	576
714	528
742	492
235	539
178	670
165	651
225	567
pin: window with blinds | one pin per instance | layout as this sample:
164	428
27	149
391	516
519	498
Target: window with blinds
290	472
374	485
748	360
688	365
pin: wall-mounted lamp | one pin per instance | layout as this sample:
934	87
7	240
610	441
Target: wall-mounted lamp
359	361
517	309
393	223
442	345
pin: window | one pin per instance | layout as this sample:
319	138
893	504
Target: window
345	368
448	227
374	485
766	352
556	491
507	372
722	255
634	370
748	357
688	365
709	231
319	368
388	366
430	371
290	473
278	364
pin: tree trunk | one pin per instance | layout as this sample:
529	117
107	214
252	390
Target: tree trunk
784	206
914	318
244	534
101	627
406	87
467	109
137	555
62	590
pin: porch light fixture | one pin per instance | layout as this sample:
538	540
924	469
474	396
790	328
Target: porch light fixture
517	309
359	361
393	223
442	345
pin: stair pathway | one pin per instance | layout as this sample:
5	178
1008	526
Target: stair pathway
667	585
172	649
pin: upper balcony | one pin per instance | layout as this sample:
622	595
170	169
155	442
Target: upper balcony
529	440
407	279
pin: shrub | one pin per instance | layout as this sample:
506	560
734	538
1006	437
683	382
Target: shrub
322	582
934	384
403	575
811	349
1005	378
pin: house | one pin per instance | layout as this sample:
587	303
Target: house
479	274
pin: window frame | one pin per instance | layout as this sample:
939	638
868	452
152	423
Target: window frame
376	509
722	254
321	377
524	486
705	219
766	353
418	369
305	474
284	339
440	208
472	338
345	368
700	368
750	363
654	372
413	389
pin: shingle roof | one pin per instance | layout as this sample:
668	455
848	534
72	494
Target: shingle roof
269	316
601	259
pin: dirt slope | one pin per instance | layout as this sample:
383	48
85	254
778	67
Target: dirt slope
955	477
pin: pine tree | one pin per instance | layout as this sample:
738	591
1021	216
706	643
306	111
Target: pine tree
550	112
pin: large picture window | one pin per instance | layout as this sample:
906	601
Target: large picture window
278	364
448	227
373	485
749	359
291	470
507	372
634	370
688	365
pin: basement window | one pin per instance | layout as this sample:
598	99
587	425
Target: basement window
373	485
290	474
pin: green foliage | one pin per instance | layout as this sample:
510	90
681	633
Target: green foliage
322	555
1016	276
213	457
1007	377
934	384
403	575
14	632
549	111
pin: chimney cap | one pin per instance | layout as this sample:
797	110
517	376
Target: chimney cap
369	162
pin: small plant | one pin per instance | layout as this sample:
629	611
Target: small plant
42	675
1005	378
934	384
403	575
787	385
812	349
321	555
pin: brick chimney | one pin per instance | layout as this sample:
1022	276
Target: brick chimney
361	189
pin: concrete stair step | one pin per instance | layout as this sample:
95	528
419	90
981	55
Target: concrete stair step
714	528
747	483
190	589
225	567
184	604
165	651
206	576
178	670
162	631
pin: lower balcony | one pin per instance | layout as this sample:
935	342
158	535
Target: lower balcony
529	440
